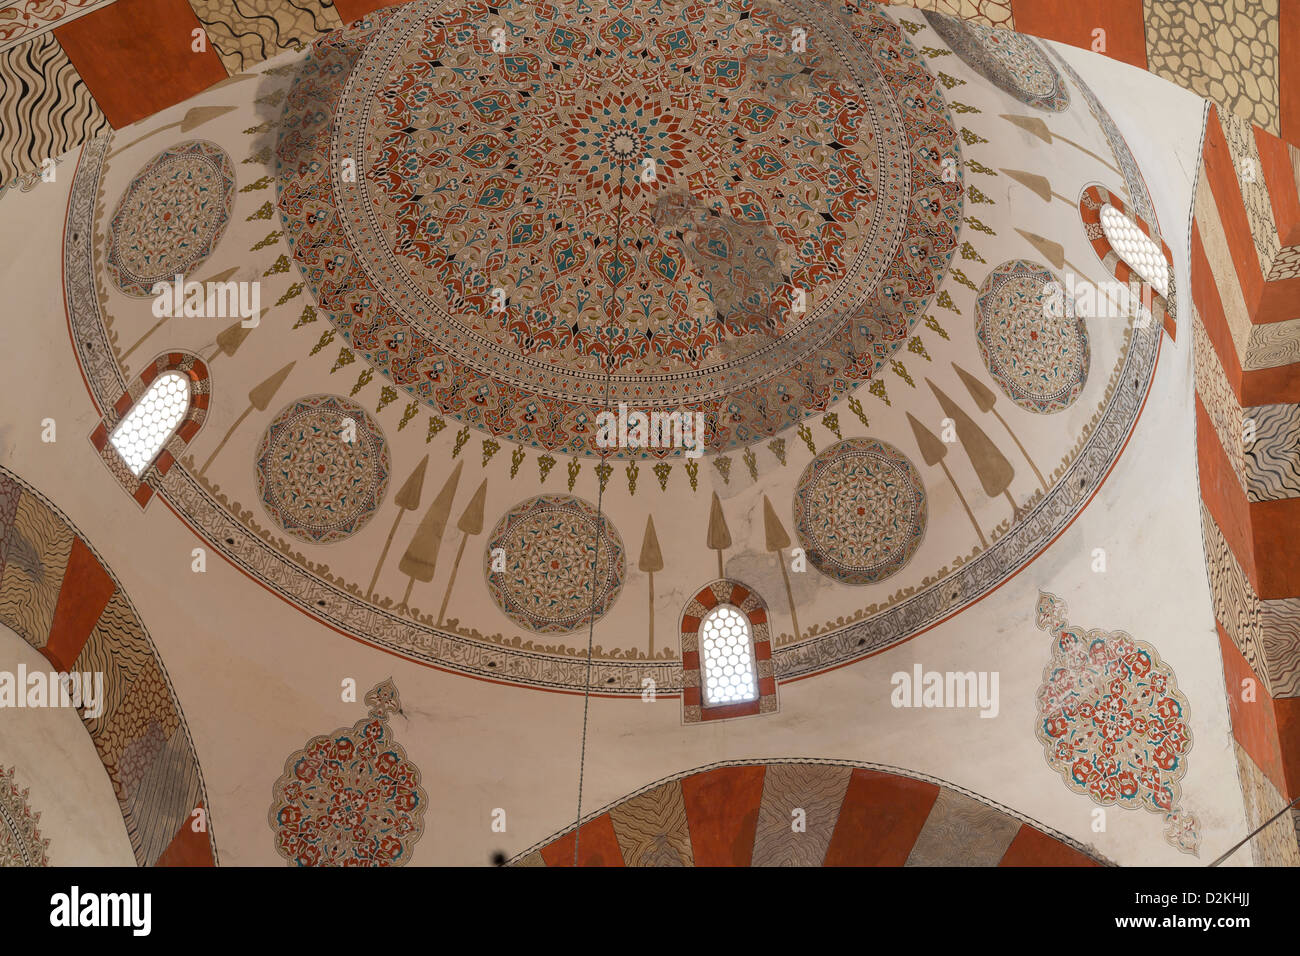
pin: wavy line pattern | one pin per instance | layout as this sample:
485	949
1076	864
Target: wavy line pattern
1273	460
1240	137
140	736
45	108
820	787
1217	397
246	32
1266	632
10	493
1280	626
652	828
1277	343
164	798
961	831
1236	605
116	648
1276	846
37	546
816	789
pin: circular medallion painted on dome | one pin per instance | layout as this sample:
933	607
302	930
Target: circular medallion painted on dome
322	468
1013	62
690	210
552	560
170	217
860	511
1032	342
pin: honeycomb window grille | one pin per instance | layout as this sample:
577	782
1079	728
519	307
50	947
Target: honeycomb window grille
152	421
1136	248
727	657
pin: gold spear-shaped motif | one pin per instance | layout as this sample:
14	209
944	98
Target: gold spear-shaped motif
259	398
985	399
777	540
651	560
407	499
932	452
994	471
1054	253
1039	185
195	118
1035	126
421	557
470	523
719	538
219	277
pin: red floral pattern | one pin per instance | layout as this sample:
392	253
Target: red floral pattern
647	189
351	798
1113	722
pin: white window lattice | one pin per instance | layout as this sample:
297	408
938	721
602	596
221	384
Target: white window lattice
151	421
727	657
1136	248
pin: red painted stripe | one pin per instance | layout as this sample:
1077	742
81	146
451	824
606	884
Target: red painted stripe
728	711
722	812
1223	494
1222	176
83	595
1032	847
187	848
1254	723
1279	301
880	819
351	10
1268	386
1075	21
1279	177
1276	529
1288	34
135	57
598	846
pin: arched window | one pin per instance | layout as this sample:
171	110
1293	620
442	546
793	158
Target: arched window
152	422
726	657
1134	253
140	436
726	654
1136	248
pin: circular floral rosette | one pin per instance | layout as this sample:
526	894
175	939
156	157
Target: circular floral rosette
713	216
563	564
171	216
350	798
1033	344
322	468
1011	61
860	511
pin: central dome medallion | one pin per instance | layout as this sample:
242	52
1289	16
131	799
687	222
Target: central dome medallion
530	212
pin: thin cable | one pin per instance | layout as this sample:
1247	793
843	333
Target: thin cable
595	558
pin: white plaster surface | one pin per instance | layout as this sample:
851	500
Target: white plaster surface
256	678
